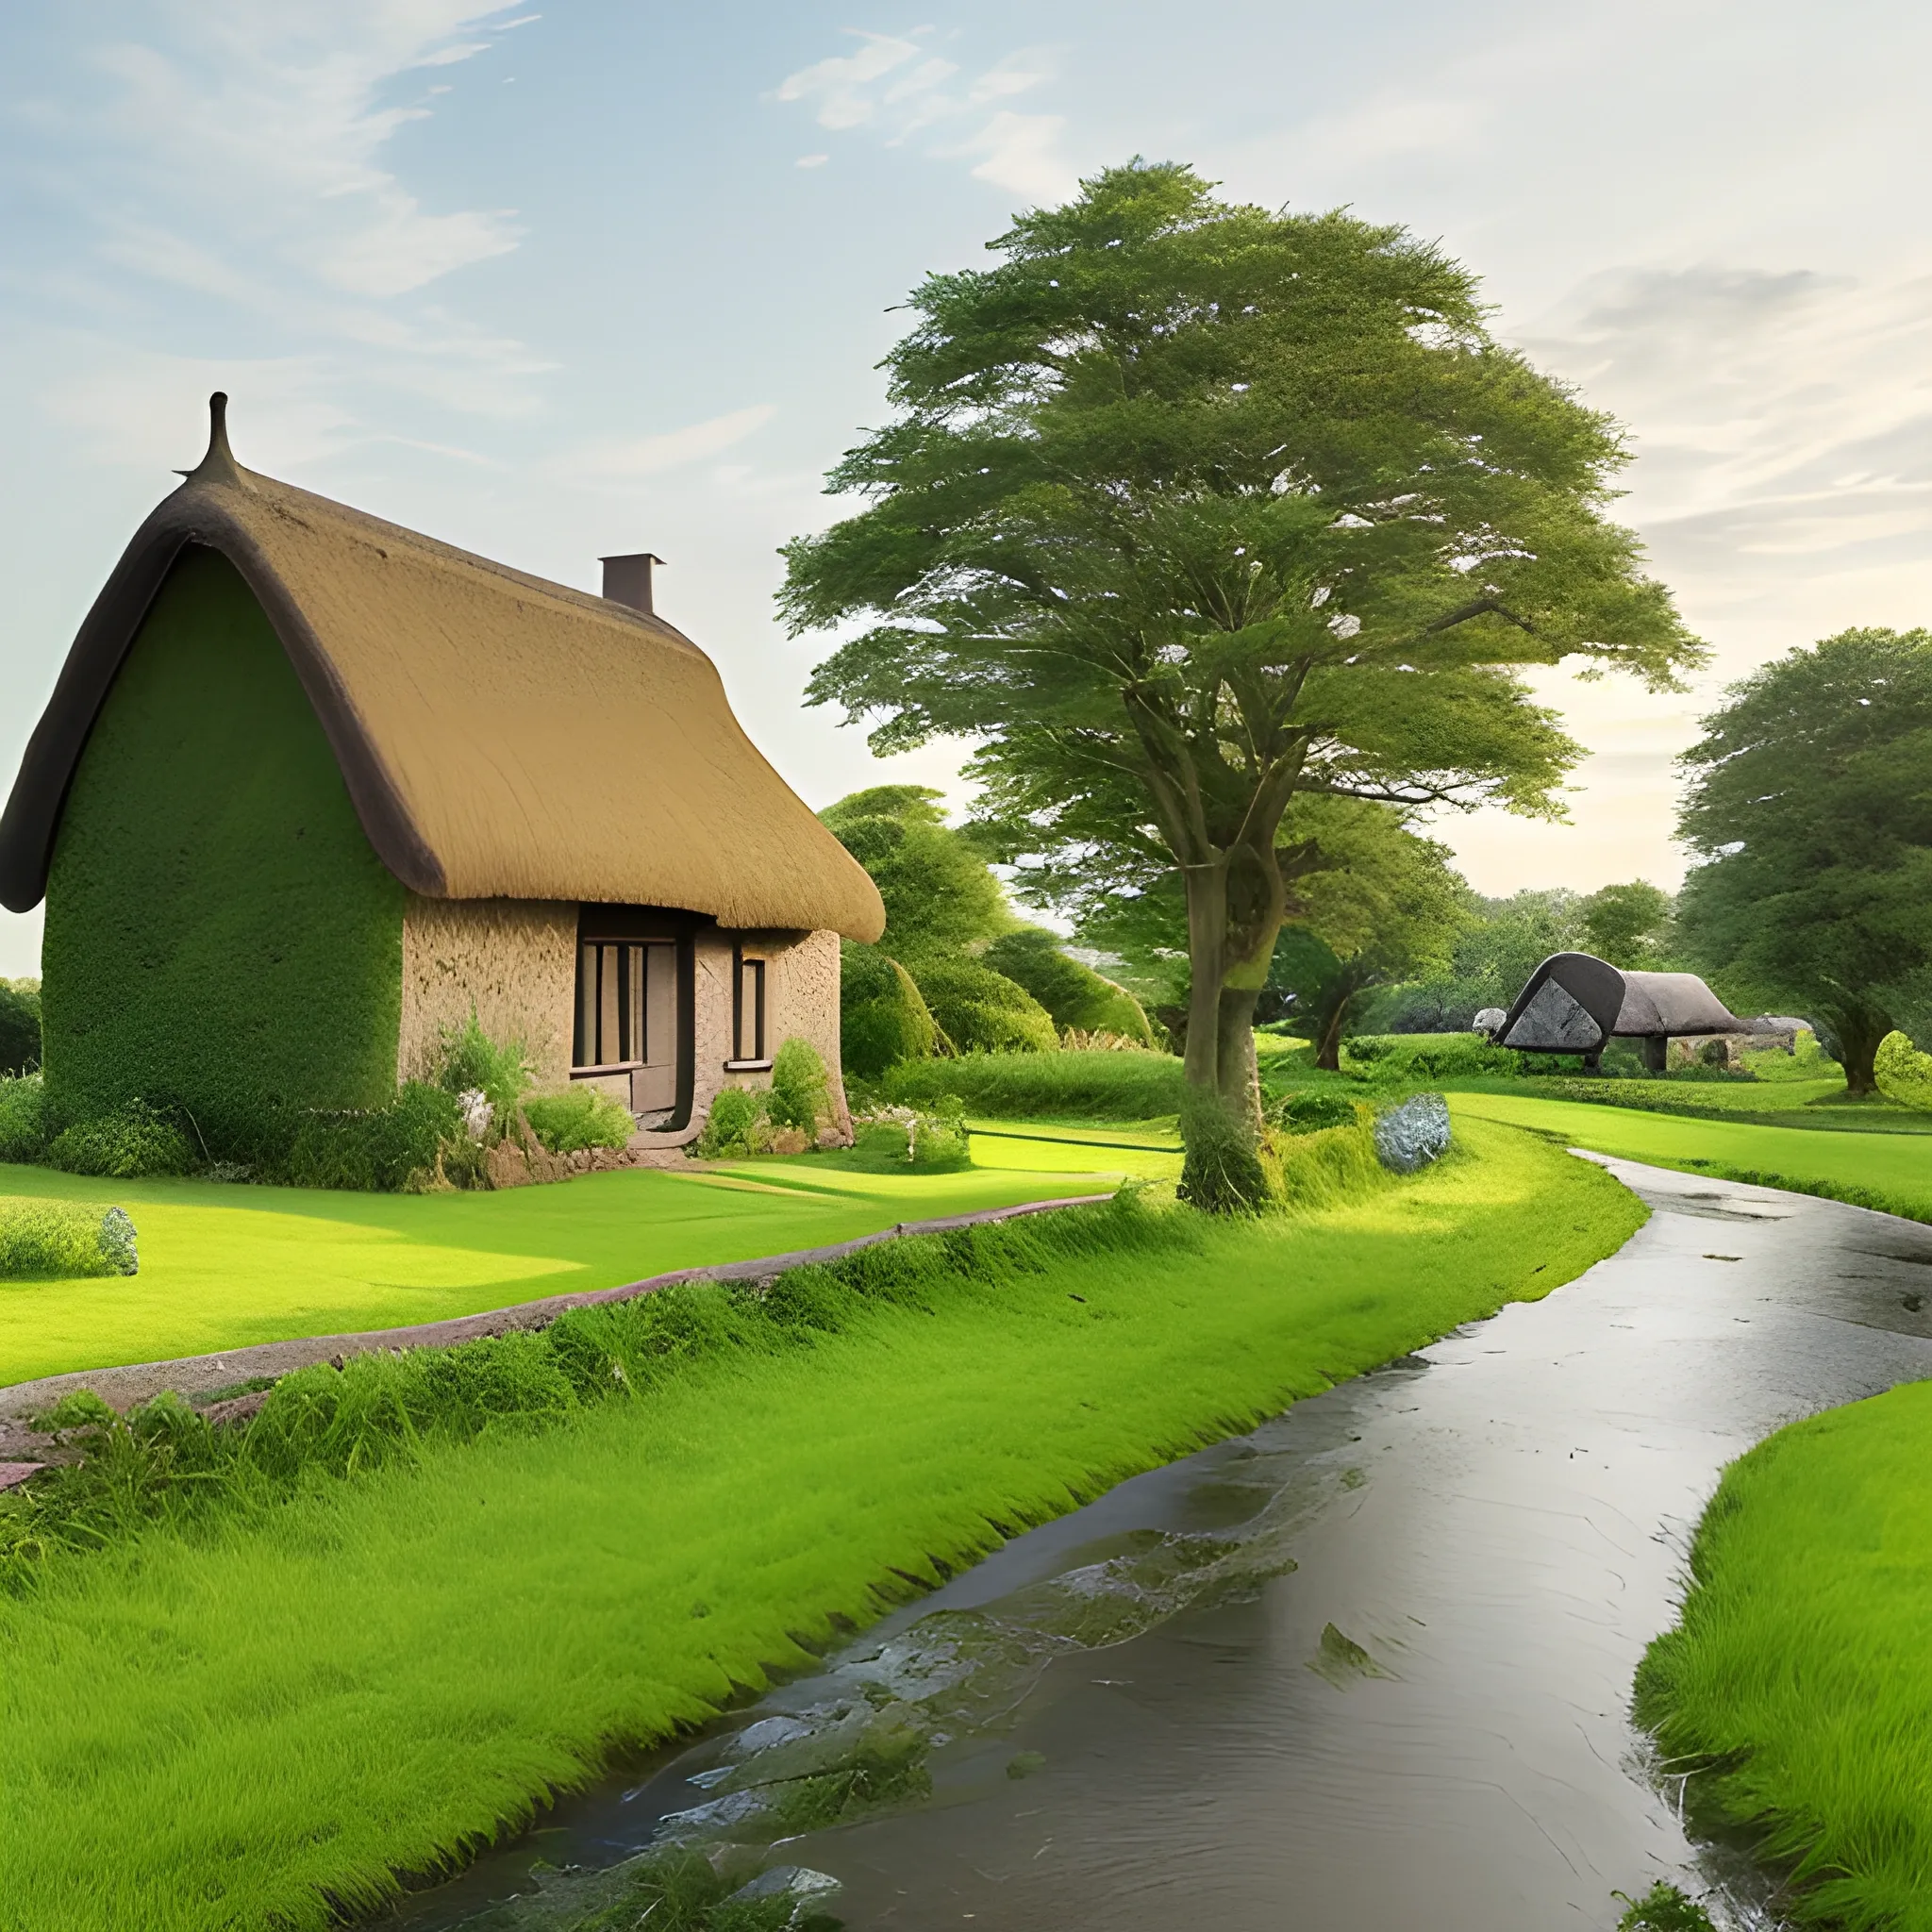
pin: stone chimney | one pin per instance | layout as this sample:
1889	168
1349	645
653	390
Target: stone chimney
627	579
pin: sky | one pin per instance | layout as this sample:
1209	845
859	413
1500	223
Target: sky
617	277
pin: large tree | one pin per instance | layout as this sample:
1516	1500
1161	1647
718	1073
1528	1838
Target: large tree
1188	507
1811	803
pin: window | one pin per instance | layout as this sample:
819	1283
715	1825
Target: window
626	1005
747	1011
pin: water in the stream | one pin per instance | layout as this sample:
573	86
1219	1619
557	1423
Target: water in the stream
1366	1668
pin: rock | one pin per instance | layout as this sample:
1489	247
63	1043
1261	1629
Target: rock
117	1242
13	1474
1410	1136
799	1883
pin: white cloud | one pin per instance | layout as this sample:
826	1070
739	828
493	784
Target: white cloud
269	124
645	456
839	85
879	88
1022	153
811	161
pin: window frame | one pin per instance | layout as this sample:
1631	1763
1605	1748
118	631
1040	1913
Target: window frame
753	968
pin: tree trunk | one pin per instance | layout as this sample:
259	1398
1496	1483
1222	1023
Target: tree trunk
1859	1030
1235	1071
1328	1045
1206	890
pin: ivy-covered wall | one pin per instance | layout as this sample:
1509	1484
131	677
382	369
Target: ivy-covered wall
220	934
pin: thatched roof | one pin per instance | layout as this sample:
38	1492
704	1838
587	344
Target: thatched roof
500	736
1574	1001
1674	1003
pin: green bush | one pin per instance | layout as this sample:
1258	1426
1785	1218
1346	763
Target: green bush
469	1062
1073	995
801	1094
883	1018
1905	1074
983	1011
62	1239
20	1028
732	1127
1429	1055
380	1150
1044	1086
134	1139
568	1123
23	1119
1310	1113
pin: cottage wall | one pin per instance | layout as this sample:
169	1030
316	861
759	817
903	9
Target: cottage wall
220	936
513	960
801	998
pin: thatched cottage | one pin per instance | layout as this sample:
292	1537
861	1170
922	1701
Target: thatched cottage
311	786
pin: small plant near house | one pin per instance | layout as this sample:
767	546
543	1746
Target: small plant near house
569	1123
135	1139
801	1094
469	1062
381	1150
733	1128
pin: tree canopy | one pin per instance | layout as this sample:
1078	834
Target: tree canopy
1630	925
1810	806
1188	508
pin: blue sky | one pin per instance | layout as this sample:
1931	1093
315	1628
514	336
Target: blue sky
554	281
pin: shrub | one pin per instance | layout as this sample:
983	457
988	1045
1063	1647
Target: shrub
801	1094
20	1029
59	1239
1073	995
1409	1136
732	1127
134	1139
567	1122
1044	1086
378	1151
1903	1074
469	1062
23	1119
883	1018
1310	1113
983	1011
1429	1055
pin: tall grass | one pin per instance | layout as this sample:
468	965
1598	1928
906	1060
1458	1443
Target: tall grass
1044	1086
258	1723
1800	1673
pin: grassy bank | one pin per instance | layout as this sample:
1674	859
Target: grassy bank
1890	1172
222	1267
1801	1661
255	1725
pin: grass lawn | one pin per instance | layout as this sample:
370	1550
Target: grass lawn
1888	1170
1802	1657
256	1727
222	1267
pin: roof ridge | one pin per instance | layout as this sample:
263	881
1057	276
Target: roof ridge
276	493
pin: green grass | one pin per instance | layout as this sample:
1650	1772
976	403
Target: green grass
222	1267
1801	1668
256	1728
1890	1172
1028	1086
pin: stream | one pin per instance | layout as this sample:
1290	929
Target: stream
1368	1667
